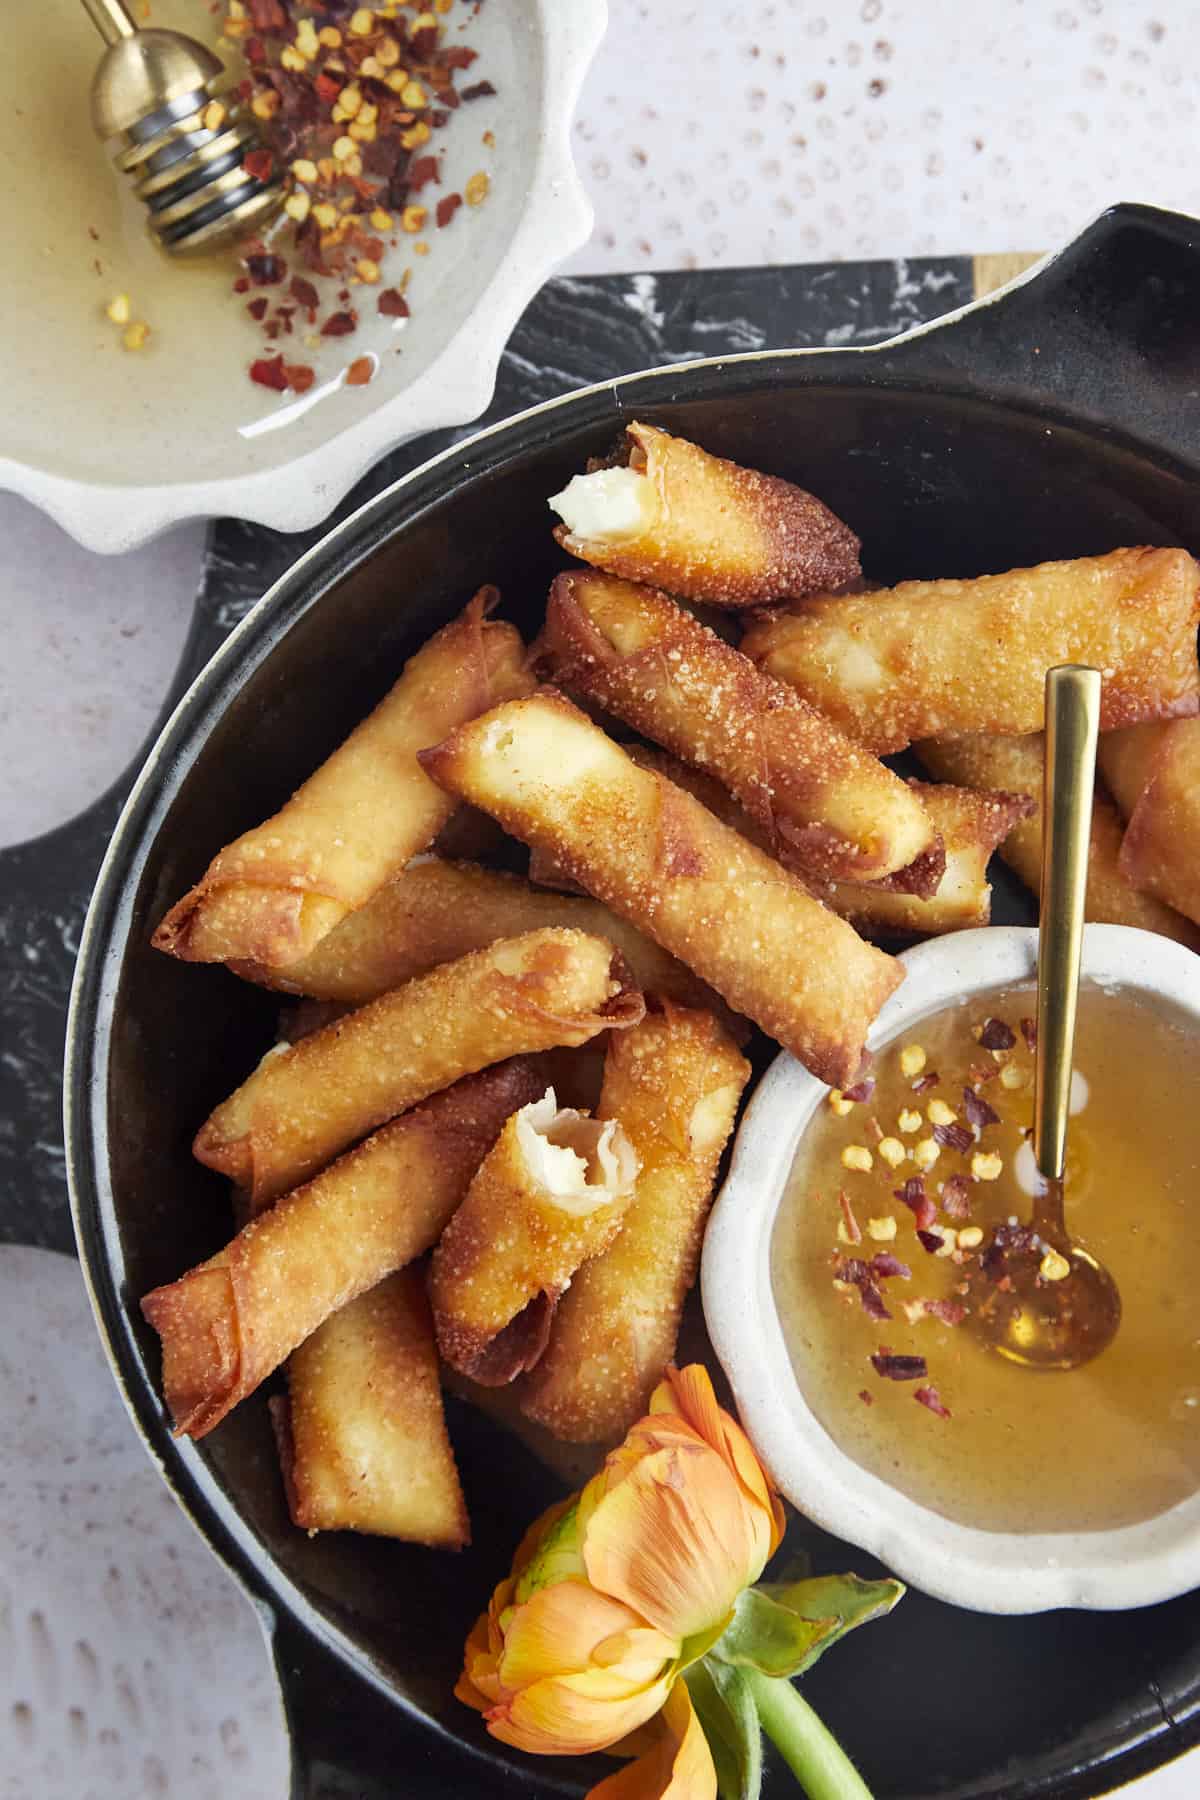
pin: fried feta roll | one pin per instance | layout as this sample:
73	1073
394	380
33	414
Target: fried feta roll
273	893
1154	772
362	1435
434	912
652	852
550	1196
1016	763
822	803
306	1102
971	826
228	1324
937	658
674	1082
697	525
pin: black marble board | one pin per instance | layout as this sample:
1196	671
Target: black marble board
575	332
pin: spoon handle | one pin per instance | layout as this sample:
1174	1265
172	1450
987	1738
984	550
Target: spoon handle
1072	724
110	18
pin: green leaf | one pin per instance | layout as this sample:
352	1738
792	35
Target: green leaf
729	1719
781	1628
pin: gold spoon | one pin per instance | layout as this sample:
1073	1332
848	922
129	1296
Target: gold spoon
184	147
1037	1320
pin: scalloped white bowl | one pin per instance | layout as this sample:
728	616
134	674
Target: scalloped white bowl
115	477
988	1571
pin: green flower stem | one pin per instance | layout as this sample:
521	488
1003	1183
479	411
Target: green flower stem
809	1749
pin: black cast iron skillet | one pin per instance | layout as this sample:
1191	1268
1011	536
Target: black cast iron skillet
1058	419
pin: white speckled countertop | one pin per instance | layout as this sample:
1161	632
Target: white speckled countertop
710	135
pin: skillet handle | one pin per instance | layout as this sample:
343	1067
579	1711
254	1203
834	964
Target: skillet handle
1109	327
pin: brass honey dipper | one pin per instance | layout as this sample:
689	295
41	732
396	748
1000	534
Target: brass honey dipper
181	144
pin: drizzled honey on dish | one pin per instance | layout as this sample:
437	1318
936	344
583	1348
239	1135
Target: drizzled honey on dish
900	1184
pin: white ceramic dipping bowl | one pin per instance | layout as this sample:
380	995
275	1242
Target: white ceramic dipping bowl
989	1571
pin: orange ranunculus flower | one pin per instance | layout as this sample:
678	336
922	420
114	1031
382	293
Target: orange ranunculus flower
614	1593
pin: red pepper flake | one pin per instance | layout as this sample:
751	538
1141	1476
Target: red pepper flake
479	90
884	1265
447	206
1029	1032
950	1312
269	372
913	1195
1008	1240
421	170
392	304
873	1131
258	308
259	164
925	1082
457	56
360	371
899	1368
862	1090
996	1035
303	290
930	1398
339	324
978	1111
265	271
953	1137
931	1241
241	285
867	1398
256	55
853	1230
268	15
327	88
978	1075
956	1197
300	377
859	1275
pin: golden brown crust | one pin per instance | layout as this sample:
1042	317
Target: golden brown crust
720	532
434	912
513	1246
1160	852
1015	763
939	658
653	853
273	893
823	804
226	1325
971	825
362	1436
305	1104
674	1082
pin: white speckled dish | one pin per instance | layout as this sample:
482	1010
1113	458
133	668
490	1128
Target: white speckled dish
148	451
987	1571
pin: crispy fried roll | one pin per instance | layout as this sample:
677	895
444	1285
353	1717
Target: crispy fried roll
436	911
550	1196
971	826
1015	763
1154	771
822	803
306	1103
226	1325
274	893
702	527
932	658
362	1436
674	1083
650	851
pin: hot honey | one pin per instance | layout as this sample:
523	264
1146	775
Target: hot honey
893	1196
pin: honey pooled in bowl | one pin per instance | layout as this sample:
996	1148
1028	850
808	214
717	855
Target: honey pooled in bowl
897	1191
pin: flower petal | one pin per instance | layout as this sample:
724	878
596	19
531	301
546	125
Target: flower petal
477	1685
689	1393
678	1767
558	1631
676	1539
573	1714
